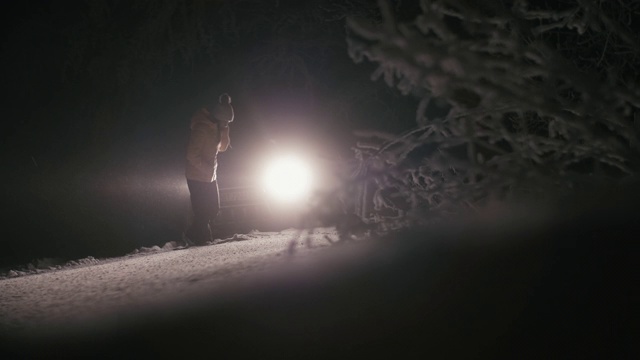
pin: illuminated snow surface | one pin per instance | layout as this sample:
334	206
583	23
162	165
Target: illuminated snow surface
481	289
109	290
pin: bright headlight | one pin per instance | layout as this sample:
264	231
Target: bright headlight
287	179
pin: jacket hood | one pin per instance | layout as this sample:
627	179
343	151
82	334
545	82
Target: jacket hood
222	109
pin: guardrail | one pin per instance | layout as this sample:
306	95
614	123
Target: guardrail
241	205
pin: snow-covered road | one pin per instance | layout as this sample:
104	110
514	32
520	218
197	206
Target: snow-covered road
475	290
118	287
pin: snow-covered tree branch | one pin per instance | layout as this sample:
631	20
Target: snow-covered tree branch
538	99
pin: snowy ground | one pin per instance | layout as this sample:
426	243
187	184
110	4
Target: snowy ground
504	285
89	289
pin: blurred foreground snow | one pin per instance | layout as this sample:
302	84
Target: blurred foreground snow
507	283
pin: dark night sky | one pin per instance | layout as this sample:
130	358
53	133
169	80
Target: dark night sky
267	107
95	166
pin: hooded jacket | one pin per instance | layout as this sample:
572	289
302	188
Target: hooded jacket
202	150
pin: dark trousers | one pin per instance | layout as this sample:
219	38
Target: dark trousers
205	203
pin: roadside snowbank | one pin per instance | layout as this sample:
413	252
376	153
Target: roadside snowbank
44	265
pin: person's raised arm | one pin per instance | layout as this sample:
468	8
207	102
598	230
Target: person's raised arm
225	141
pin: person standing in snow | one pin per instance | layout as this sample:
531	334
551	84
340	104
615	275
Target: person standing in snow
209	136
